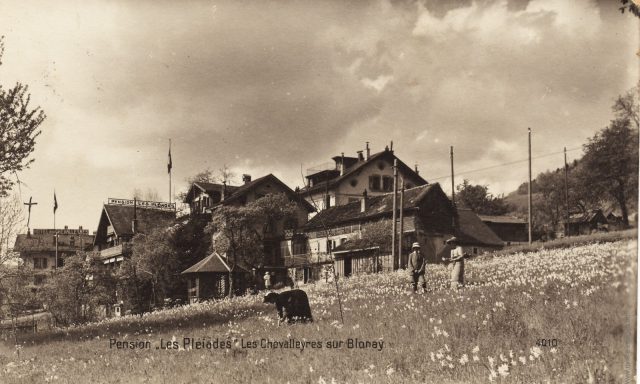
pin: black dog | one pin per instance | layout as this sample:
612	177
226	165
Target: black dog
292	305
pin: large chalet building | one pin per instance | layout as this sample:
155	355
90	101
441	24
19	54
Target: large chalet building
43	247
344	181
209	278
429	218
121	219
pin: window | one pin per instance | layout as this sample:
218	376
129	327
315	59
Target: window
40	263
387	183
299	247
374	182
353	182
72	241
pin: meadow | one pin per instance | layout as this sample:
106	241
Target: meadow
559	315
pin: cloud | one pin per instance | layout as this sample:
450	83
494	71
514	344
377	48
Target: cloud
273	87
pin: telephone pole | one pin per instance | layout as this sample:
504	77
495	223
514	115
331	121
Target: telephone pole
566	191
530	200
394	217
400	261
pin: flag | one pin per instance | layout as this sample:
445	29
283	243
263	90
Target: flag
169	164
55	202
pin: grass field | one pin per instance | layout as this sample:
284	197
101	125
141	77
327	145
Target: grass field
562	315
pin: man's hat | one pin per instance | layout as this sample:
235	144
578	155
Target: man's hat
415	245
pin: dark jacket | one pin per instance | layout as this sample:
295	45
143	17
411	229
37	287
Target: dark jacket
417	261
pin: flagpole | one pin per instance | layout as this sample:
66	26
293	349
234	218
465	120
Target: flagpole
55	207
169	171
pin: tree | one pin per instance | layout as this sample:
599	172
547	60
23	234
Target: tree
239	232
376	234
18	130
550	206
627	107
15	293
156	261
631	6
611	164
150	194
478	199
74	293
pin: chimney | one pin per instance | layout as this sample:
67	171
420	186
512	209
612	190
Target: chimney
386	148
246	178
368	151
80	228
391	146
364	203
342	164
416	168
360	156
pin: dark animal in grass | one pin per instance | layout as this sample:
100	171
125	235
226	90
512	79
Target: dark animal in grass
292	305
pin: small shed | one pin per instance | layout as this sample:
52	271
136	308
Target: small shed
209	278
586	223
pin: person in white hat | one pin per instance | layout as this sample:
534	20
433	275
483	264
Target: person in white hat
457	259
417	264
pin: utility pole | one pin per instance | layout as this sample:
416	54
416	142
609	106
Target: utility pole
453	188
530	202
566	192
393	220
169	169
453	193
400	261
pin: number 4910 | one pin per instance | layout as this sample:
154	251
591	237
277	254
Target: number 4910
547	342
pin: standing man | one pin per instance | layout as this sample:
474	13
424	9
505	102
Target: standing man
417	264
457	259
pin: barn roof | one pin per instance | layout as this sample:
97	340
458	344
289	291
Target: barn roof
587	217
502	219
472	231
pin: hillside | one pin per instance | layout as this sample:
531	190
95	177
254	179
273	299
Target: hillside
555	315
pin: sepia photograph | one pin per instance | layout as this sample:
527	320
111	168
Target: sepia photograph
319	192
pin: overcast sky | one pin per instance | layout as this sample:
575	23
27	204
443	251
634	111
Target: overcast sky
273	87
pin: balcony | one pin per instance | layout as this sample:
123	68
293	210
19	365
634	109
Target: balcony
119	250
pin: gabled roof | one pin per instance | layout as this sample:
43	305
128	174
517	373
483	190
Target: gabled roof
121	218
472	231
208	188
213	263
252	185
589	216
360	165
377	206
